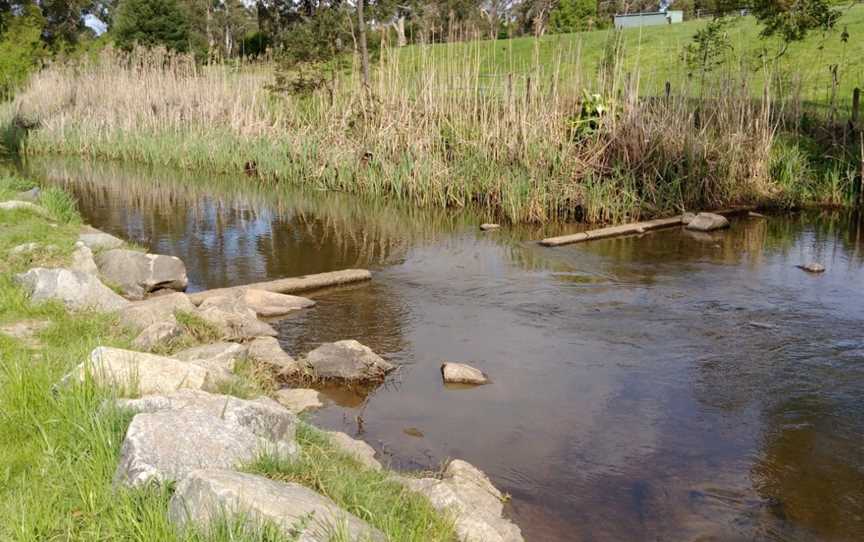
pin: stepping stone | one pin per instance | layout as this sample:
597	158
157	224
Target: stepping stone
356	449
76	290
459	373
475	505
205	496
347	360
235	320
139	372
298	400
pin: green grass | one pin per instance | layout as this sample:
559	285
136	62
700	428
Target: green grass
655	53
60	446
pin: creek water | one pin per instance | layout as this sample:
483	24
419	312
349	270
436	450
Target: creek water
671	386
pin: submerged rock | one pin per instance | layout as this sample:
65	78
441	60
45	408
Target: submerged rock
298	400
459	373
235	320
205	496
347	360
143	314
137	273
708	222
270	304
356	449
812	267
475	505
268	351
489	226
98	240
138	372
76	290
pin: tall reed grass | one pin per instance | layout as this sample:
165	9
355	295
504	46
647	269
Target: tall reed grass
431	133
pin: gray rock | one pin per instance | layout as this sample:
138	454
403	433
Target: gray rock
708	222
347	360
268	351
159	333
82	259
687	218
99	240
15	205
264	417
459	373
31	195
812	267
25	331
142	314
205	496
270	304
167	445
75	289
298	400
235	320
475	505
356	449
139	372
137	273
219	357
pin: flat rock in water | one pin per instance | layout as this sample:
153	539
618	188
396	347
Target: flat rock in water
475	505
459	373
76	290
813	267
262	416
138	372
708	222
25	330
268	351
167	445
356	449
99	240
82	259
137	273
298	400
347	360
271	304
143	314
205	496
235	320
489	226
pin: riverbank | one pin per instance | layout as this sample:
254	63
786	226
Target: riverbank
442	137
62	443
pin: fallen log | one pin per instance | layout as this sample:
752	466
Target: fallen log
627	229
291	285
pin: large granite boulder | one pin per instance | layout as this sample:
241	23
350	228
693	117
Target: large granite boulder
76	290
235	320
142	314
271	304
475	505
98	240
267	351
298	400
82	259
356	449
136	372
137	273
707	222
347	360
167	445
264	417
206	496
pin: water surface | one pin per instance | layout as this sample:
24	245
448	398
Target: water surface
672	386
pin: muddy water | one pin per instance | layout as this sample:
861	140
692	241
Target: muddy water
665	387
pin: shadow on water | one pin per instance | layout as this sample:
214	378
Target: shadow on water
670	386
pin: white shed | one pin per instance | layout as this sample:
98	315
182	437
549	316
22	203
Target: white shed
653	18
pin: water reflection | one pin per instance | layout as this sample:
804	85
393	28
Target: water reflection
668	386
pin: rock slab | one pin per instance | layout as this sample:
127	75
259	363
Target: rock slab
268	351
707	222
459	373
76	290
137	273
347	360
234	318
205	496
475	505
356	449
98	240
271	304
143	314
298	400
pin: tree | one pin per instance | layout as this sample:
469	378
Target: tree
792	20
21	47
151	23
573	16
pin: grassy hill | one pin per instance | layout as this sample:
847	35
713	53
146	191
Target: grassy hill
655	53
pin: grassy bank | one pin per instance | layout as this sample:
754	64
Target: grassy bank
438	130
60	447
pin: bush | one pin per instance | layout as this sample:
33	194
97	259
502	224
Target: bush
151	23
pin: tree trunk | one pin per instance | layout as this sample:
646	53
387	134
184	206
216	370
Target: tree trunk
364	51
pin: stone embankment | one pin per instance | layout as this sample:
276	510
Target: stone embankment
185	432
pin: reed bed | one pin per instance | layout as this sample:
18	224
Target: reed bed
426	132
